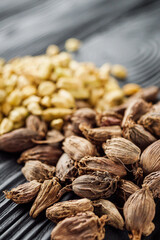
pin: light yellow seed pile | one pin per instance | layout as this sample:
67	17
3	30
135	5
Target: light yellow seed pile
48	85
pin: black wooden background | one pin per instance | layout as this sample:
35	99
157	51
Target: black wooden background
124	31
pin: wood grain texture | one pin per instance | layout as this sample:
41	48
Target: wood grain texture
126	32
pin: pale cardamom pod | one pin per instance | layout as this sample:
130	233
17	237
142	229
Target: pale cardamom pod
68	129
98	185
137	173
85	225
148	94
65	209
151	121
65	169
46	196
150	158
99	135
23	193
83	115
105	207
44	153
153	182
136	109
92	164
138	135
108	118
53	137
37	125
35	170
121	150
126	188
148	229
139	211
156	107
18	140
67	188
82	104
78	147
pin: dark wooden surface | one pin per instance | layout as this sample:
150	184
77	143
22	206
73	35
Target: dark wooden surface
126	32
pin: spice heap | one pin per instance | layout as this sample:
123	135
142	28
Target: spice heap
53	85
75	138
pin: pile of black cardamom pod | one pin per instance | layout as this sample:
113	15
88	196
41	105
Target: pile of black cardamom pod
110	160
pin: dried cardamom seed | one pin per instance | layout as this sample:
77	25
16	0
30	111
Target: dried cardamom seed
35	170
126	188
136	109
18	140
68	129
84	225
120	109
148	94
82	104
46	196
37	125
105	207
108	118
156	107
83	115
65	209
139	211
65	169
92	164
121	150
153	182
78	147
98	185
99	135
137	173
151	121
150	158
64	190
54	136
44	153
138	135
24	193
148	229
